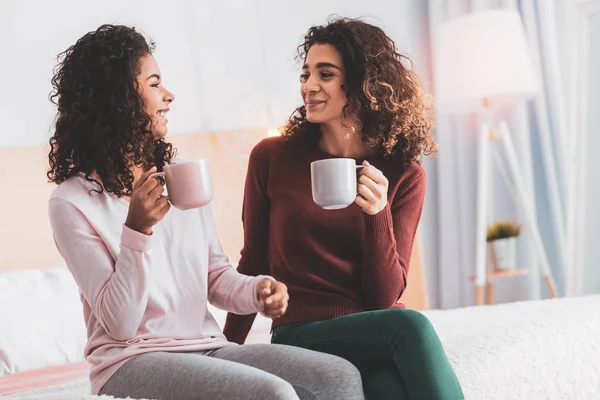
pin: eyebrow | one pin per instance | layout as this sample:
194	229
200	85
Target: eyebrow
323	65
157	76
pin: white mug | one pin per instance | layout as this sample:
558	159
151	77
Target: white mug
334	182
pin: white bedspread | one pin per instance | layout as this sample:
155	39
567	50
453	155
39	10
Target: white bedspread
542	350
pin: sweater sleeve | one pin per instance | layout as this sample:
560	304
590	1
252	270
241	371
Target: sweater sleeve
116	291
255	217
388	240
227	288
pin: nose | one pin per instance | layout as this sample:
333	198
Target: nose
311	85
168	97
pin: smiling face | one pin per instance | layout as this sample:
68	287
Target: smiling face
322	80
155	96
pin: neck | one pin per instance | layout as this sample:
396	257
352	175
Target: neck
342	142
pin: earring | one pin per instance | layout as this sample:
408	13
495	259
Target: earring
350	132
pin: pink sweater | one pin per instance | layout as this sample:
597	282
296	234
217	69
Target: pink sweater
144	293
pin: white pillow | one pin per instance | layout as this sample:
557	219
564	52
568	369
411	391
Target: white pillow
41	319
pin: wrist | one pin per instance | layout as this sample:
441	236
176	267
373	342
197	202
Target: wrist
372	212
133	226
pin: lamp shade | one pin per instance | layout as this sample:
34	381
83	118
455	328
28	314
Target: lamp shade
481	56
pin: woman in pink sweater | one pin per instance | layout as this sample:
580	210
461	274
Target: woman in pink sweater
146	271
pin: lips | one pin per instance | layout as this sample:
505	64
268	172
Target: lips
313	103
162	114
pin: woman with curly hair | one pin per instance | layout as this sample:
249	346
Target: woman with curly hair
146	271
346	269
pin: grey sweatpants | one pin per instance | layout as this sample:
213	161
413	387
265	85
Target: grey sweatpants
253	371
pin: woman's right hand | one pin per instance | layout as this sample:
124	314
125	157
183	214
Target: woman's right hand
147	205
273	296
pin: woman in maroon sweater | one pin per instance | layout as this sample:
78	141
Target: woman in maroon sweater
346	269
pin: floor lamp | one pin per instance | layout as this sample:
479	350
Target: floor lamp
482	63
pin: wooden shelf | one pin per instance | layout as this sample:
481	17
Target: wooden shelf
495	272
505	273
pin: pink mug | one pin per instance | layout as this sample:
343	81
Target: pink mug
189	183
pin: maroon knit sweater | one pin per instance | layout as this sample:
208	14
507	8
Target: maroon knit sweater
336	262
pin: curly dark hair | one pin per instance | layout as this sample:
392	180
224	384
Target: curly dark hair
385	94
100	124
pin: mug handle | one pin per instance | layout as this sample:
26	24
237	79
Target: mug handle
160	175
154	175
358	168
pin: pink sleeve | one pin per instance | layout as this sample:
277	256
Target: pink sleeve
116	291
227	289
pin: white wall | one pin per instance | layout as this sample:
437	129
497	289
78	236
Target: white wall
39	32
230	63
592	168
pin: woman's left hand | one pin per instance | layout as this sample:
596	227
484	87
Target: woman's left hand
372	189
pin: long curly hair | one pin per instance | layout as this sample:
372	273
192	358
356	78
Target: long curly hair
385	97
101	125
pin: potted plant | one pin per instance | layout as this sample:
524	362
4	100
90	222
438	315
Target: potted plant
502	235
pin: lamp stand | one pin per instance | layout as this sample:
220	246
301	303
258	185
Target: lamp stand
483	177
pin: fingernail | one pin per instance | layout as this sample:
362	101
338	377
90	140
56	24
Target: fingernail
269	301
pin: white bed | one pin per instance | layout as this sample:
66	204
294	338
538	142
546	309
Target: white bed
529	350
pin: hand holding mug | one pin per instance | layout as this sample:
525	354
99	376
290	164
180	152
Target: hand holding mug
334	185
147	205
273	296
372	189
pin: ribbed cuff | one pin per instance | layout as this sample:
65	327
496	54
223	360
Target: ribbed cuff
314	312
134	239
380	224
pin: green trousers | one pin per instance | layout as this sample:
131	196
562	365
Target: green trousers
397	352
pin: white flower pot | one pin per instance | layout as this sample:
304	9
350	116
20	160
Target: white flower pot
506	253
